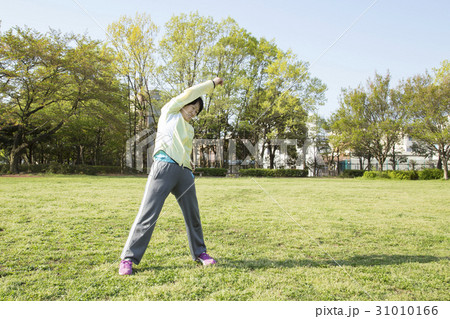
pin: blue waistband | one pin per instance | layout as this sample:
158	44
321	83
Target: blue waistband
162	156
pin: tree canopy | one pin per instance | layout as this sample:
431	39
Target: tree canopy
69	99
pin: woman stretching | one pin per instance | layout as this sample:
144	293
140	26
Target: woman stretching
171	172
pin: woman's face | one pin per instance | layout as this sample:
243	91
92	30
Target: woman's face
190	111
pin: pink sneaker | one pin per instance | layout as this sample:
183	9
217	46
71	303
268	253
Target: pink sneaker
125	267
206	259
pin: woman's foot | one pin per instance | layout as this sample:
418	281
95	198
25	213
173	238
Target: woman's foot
206	259
126	267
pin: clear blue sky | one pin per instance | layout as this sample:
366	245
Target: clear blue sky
406	37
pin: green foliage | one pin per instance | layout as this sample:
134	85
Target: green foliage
61	96
425	174
206	171
428	104
261	172
4	169
376	174
431	173
352	173
442	74
399	175
184	48
70	104
370	119
133	40
404	175
57	168
45	79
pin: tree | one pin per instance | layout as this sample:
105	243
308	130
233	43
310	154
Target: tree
427	99
442	73
291	94
186	50
183	50
45	80
396	157
317	135
321	135
345	136
371	118
228	58
282	92
134	43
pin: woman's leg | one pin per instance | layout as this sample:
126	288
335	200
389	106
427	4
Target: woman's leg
160	183
186	196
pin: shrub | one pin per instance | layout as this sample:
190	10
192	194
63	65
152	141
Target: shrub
4	168
431	173
401	175
57	168
38	168
252	172
53	168
260	172
352	173
404	175
211	171
376	174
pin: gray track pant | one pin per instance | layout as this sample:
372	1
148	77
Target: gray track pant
165	178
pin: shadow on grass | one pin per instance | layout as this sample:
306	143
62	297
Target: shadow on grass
156	268
358	260
265	263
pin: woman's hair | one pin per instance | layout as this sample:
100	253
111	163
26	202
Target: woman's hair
198	100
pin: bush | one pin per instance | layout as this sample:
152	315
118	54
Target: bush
401	175
352	173
38	168
57	168
260	172
376	174
431	173
404	175
211	171
4	168
54	168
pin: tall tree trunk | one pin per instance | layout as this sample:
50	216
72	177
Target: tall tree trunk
445	166
369	164
14	161
381	160
338	168
271	150
393	158
16	152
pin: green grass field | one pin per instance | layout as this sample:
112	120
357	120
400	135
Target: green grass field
61	239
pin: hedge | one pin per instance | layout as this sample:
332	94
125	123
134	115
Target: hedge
404	175
57	168
431	173
261	172
211	171
375	174
425	174
352	173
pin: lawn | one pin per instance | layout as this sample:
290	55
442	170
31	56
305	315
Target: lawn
274	239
